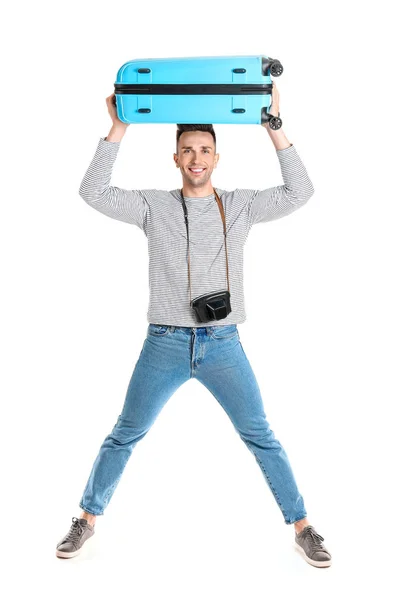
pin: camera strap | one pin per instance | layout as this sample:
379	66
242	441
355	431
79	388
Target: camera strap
221	210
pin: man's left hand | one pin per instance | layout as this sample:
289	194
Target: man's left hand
274	108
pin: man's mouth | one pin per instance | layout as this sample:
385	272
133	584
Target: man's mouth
196	171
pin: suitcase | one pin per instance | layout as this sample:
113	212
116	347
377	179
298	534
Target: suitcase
219	89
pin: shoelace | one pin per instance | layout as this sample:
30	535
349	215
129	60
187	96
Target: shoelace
314	540
75	531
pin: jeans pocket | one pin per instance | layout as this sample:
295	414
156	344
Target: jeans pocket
224	332
158	330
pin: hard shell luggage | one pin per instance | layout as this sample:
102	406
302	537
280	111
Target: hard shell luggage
212	89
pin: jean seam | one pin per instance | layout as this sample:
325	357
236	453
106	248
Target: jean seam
298	518
105	500
227	337
85	508
154	334
267	477
260	463
111	490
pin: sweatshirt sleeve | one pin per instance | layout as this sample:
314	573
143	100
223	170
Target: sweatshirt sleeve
129	206
276	202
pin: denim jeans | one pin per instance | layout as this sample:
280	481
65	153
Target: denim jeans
214	356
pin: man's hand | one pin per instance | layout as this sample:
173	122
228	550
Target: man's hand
274	108
277	136
112	111
118	128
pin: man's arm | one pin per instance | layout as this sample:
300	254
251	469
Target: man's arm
276	202
129	206
116	134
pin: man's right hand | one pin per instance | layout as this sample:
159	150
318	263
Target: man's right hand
112	110
118	128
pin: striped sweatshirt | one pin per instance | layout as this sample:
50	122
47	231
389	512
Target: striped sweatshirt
159	214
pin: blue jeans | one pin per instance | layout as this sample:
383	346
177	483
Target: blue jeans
214	356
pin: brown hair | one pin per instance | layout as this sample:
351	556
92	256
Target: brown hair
190	127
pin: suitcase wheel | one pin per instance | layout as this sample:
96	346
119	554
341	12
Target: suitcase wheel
273	65
275	123
266	117
276	68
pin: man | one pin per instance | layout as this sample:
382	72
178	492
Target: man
177	347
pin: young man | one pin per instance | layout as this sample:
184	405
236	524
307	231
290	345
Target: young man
177	346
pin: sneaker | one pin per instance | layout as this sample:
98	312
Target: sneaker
308	543
71	544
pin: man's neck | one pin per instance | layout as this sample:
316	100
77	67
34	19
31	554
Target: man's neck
192	192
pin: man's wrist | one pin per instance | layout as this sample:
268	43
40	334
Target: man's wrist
116	133
273	112
278	137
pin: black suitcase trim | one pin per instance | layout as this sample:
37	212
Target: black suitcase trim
230	89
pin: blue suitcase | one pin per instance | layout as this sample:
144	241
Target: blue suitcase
220	89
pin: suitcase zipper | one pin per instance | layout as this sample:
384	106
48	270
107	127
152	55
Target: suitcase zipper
231	89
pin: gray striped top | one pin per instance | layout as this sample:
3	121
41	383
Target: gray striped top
159	214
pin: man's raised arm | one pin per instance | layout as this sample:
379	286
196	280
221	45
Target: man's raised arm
297	189
129	206
276	202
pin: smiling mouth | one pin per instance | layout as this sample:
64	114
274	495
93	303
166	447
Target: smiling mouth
197	172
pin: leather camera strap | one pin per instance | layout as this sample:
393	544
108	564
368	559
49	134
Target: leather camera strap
221	210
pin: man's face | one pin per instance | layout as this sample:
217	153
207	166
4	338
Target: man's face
196	149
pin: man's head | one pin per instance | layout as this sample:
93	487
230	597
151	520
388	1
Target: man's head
196	147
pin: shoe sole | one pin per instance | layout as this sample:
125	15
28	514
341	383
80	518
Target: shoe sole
62	554
315	563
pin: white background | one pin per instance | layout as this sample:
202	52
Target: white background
192	516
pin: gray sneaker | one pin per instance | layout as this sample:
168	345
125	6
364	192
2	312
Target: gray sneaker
309	543
71	544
